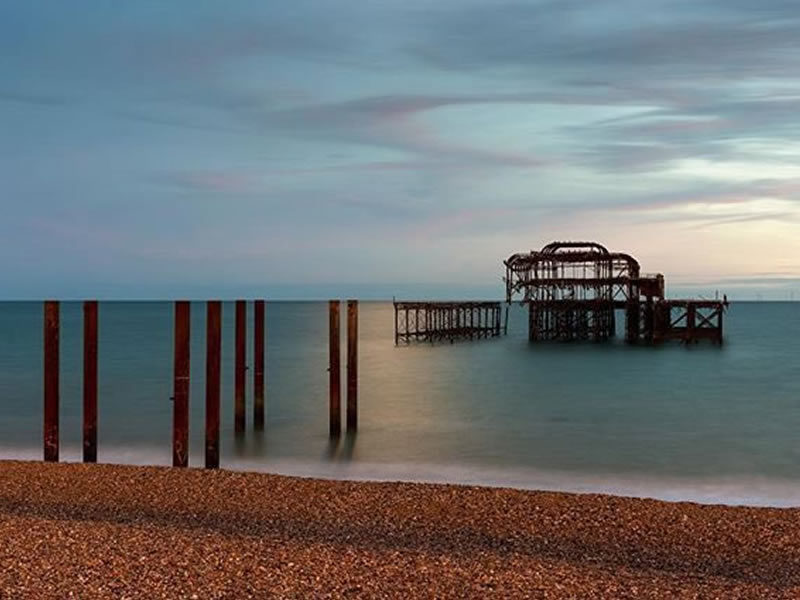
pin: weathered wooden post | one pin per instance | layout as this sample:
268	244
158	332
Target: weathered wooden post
213	380
51	394
352	366
180	398
258	365
90	381
334	370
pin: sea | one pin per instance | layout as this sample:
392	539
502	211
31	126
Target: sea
701	423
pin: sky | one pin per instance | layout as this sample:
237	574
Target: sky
313	148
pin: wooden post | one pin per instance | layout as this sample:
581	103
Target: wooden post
334	369
90	381
180	398
352	366
240	366
258	366
213	380
51	395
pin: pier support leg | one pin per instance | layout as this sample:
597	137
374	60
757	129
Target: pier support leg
352	366
240	366
691	318
649	320
213	380
51	383
90	381
632	322
180	398
334	370
397	324
258	365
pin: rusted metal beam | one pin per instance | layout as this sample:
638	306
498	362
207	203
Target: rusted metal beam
51	380
258	365
334	370
352	366
213	380
684	303
90	381
180	398
411	305
571	281
240	366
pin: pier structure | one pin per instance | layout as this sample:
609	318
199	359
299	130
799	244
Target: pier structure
574	289
446	321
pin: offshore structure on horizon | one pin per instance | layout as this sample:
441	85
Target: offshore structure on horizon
573	290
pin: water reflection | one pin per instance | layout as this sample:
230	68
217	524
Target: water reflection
341	449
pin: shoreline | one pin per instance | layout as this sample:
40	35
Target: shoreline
723	490
113	531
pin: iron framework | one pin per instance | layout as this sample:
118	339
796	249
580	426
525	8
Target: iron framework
573	290
446	321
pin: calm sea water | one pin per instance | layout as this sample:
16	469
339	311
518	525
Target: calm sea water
701	423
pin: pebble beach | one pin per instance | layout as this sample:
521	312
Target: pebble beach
107	531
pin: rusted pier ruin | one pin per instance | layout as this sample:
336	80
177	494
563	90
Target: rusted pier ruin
446	321
573	290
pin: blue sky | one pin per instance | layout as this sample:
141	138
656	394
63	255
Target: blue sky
303	149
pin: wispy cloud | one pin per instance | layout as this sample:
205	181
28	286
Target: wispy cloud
34	99
389	121
226	182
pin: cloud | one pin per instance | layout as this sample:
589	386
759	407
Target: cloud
707	76
34	99
225	182
680	40
389	121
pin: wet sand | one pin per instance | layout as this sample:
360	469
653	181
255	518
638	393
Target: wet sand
103	531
